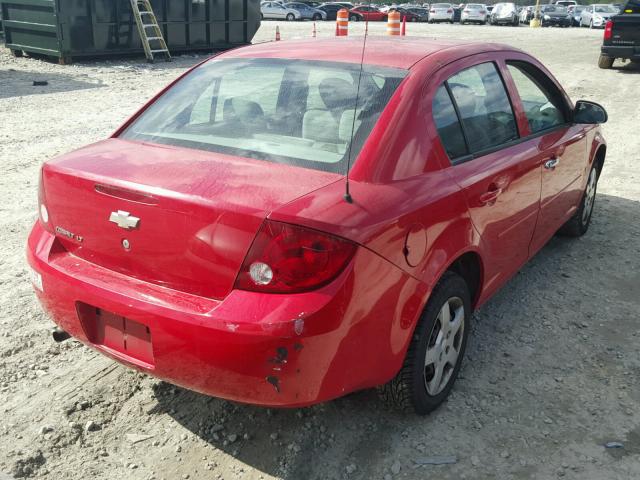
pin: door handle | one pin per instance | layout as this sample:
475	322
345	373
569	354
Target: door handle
490	197
552	163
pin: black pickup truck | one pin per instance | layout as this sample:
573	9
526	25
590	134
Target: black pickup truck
622	36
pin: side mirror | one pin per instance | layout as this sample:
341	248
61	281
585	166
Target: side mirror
589	113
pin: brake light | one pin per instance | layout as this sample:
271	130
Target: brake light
43	213
482	12
449	11
287	258
608	30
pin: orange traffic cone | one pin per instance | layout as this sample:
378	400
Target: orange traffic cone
342	23
313	32
404	26
277	33
393	23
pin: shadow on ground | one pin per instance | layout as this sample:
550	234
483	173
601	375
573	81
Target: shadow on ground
371	431
20	83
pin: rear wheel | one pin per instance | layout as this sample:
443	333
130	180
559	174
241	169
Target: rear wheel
290	17
435	354
317	17
578	224
354	18
605	62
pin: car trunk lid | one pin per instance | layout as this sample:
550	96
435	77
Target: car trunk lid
171	216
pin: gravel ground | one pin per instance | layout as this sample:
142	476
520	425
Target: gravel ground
553	365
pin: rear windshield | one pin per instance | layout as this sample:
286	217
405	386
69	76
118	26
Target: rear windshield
441	5
283	111
475	6
606	9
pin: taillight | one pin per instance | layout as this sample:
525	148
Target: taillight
287	258
449	11
482	12
608	29
43	213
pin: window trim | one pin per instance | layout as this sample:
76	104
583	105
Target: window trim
514	97
567	113
473	155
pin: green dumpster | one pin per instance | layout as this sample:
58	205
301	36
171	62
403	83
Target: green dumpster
68	29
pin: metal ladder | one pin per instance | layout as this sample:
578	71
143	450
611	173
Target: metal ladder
146	19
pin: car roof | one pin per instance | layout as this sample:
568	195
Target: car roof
398	52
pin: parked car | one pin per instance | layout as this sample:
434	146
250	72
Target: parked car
557	15
595	16
504	14
371	14
332	9
622	36
421	12
307	12
212	242
576	14
441	12
277	11
406	14
474	13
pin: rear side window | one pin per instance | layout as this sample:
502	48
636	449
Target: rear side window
542	106
484	108
448	124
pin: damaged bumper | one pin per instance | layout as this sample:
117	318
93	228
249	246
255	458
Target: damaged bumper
265	349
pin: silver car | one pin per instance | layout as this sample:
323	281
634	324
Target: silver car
441	12
277	11
595	16
474	12
307	12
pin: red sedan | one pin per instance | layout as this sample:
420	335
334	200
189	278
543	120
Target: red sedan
212	240
370	14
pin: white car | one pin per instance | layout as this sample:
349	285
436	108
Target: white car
595	16
277	11
474	13
441	12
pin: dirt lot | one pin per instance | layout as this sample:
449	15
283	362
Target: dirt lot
553	365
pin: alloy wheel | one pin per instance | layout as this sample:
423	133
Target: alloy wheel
445	343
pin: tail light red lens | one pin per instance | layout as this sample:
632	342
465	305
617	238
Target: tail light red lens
608	29
449	11
482	12
287	258
43	213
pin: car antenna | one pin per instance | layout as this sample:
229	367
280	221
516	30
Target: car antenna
347	193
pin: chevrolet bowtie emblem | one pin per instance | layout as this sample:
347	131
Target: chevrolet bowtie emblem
124	220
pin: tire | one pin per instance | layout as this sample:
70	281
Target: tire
605	62
290	17
317	17
591	24
579	223
414	19
409	389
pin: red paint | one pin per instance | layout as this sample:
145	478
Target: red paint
370	14
169	307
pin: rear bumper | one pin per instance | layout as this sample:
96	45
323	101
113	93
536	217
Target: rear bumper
273	350
628	52
563	22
